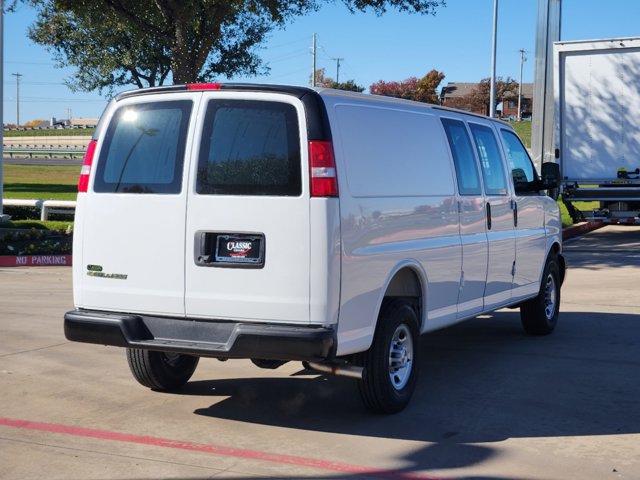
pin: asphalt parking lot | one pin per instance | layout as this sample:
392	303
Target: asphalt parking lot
491	402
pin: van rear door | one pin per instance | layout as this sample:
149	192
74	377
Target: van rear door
247	232
131	222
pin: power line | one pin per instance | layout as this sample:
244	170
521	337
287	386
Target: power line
282	75
44	83
28	63
298	41
289	56
58	100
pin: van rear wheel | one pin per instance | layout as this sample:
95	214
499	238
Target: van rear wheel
161	370
539	315
391	364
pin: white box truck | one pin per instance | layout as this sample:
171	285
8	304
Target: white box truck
597	132
285	223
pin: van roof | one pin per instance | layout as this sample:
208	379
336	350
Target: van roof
255	87
296	91
401	101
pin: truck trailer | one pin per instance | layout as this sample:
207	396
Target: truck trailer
597	127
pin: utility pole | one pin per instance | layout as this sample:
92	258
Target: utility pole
3	218
338	60
522	60
492	94
17	75
542	124
313	53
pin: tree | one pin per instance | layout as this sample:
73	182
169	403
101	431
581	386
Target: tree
33	123
328	82
479	97
105	52
349	85
146	42
421	90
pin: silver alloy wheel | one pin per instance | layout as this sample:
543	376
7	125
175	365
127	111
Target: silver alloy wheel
550	297
400	357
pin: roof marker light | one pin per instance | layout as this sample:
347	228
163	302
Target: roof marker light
204	86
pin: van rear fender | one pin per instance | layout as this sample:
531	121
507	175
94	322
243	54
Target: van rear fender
407	280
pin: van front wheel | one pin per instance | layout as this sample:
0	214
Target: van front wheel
539	315
391	364
161	370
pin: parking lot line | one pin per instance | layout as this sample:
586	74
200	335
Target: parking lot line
214	449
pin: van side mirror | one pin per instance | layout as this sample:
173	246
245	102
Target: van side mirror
551	178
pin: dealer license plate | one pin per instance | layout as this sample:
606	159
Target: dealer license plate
240	249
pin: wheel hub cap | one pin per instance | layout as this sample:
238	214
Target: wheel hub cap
550	297
400	357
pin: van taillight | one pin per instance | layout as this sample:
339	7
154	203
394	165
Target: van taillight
83	181
322	166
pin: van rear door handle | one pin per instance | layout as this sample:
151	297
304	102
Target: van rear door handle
515	213
488	216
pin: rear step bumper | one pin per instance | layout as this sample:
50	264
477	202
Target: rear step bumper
220	339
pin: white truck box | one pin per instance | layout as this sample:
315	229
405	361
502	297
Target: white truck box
597	97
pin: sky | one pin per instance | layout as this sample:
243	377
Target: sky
456	41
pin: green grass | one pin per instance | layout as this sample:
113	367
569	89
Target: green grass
41	182
582	206
566	218
37	224
523	129
53	132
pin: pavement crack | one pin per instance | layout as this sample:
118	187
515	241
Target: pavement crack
117	455
33	349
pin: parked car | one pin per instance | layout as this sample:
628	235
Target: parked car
293	224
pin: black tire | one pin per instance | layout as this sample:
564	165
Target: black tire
387	387
539	315
161	370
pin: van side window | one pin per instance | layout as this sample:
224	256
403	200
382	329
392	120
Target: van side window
463	158
521	166
250	148
495	182
143	150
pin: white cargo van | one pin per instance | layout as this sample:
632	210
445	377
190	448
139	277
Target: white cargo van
285	223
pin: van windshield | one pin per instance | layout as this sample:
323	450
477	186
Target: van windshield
250	148
143	150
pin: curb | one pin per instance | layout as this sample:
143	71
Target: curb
581	229
36	261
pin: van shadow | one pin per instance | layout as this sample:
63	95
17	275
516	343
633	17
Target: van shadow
480	381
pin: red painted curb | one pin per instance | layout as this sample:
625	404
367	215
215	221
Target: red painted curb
215	450
581	229
35	260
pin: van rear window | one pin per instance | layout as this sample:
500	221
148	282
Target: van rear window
250	147
143	150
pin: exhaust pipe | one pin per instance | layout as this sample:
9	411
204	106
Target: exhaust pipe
340	370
